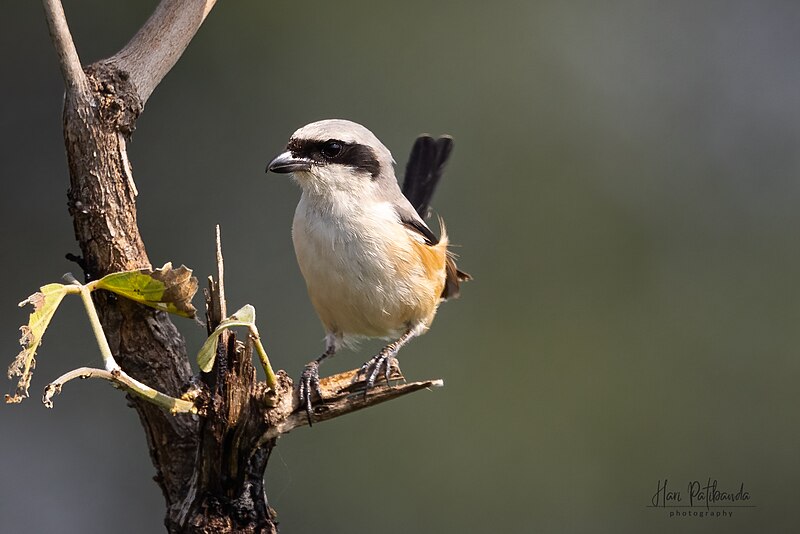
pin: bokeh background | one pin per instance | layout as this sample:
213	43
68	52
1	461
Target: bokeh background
624	188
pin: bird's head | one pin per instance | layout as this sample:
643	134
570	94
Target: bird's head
335	155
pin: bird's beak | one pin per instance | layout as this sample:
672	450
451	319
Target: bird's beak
286	163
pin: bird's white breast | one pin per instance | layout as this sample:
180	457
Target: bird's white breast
360	269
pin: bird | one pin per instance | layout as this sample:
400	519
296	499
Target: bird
373	267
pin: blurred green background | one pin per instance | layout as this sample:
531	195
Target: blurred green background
624	189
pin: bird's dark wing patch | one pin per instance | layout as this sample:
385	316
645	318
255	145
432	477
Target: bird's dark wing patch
424	170
413	223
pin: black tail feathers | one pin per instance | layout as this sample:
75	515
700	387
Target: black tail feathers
424	170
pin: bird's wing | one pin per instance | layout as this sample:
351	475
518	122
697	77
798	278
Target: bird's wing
414	222
424	170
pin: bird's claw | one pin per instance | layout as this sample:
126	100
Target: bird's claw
309	382
371	369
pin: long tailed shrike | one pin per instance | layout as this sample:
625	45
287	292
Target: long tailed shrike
372	266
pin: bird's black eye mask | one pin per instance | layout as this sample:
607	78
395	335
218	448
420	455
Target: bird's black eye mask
355	155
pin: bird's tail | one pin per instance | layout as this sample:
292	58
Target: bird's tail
424	170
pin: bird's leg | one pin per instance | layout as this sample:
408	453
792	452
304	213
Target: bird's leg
309	379
383	360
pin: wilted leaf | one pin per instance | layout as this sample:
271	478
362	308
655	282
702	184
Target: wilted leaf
245	316
167	289
44	303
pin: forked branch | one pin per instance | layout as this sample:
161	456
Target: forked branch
101	105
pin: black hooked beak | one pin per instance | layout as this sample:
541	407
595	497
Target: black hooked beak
286	163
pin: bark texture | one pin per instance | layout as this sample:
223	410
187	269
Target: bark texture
102	202
226	492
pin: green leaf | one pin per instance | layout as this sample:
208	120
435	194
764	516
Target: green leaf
45	302
245	316
167	289
208	352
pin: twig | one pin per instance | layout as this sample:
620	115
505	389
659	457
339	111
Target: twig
68	60
122	379
223	305
158	44
342	397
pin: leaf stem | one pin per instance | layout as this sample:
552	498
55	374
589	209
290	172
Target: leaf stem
105	350
126	382
272	380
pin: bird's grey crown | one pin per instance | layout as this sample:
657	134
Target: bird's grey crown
343	130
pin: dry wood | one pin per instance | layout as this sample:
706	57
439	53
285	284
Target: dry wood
342	396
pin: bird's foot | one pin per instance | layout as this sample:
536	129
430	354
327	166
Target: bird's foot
385	360
309	382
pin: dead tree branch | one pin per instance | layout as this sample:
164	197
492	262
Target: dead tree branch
342	396
209	467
